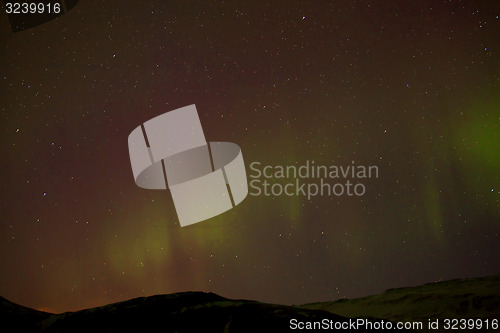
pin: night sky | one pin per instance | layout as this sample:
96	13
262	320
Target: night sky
413	88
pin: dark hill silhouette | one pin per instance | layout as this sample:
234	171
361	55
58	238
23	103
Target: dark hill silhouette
460	298
22	318
181	312
208	312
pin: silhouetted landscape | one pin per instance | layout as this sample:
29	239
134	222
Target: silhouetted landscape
208	312
249	166
453	299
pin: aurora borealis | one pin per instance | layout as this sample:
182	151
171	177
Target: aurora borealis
410	87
